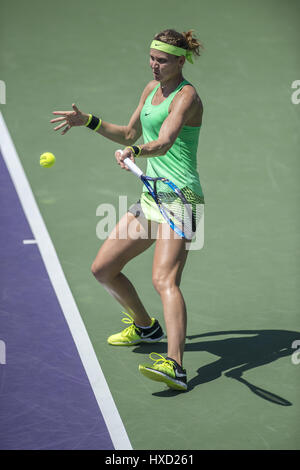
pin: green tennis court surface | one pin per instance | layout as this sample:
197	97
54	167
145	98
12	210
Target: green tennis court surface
242	288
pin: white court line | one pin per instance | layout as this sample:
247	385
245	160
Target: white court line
82	341
29	242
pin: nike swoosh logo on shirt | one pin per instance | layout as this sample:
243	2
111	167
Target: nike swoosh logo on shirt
147	114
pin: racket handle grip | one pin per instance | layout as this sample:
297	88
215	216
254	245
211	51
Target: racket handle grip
132	166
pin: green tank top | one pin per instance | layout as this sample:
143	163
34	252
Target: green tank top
179	164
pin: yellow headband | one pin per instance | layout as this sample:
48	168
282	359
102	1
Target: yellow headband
174	50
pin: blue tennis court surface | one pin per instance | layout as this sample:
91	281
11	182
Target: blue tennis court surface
46	401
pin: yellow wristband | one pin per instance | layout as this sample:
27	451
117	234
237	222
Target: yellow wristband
139	150
89	120
136	150
100	122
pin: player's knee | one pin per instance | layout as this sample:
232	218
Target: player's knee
94	269
101	273
162	282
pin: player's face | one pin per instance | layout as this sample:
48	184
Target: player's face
164	66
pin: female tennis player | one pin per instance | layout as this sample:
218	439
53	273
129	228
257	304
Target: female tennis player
169	115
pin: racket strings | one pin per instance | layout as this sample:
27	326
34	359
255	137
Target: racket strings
185	215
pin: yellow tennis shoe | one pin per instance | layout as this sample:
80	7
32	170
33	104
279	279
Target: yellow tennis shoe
134	334
165	370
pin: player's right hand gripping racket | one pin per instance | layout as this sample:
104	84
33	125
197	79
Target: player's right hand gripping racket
170	201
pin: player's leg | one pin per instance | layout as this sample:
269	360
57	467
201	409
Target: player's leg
130	238
169	259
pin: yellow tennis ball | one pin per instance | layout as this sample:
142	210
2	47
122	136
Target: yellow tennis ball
47	159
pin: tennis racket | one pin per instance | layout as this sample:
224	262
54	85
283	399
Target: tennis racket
170	201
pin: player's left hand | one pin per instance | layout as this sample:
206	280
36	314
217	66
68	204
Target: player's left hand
70	119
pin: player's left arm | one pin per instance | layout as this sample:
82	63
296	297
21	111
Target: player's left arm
184	107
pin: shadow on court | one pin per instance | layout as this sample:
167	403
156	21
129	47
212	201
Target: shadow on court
237	355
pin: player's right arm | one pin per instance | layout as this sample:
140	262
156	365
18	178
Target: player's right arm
124	135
